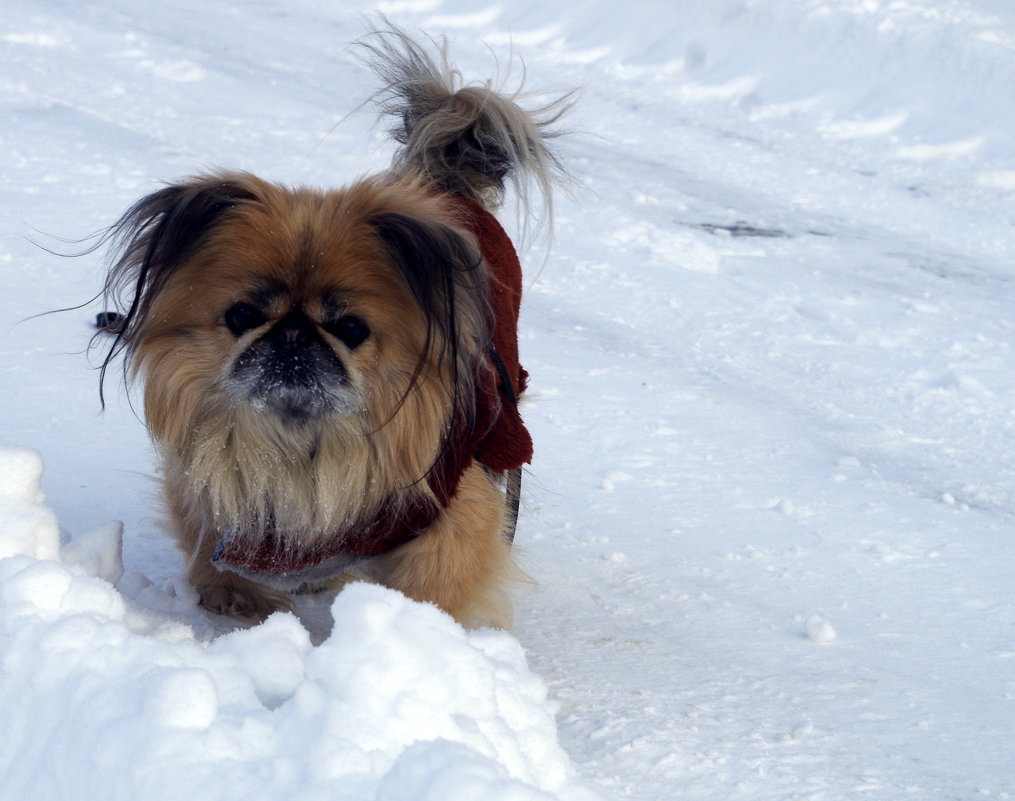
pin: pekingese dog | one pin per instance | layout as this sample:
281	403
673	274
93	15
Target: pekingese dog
331	378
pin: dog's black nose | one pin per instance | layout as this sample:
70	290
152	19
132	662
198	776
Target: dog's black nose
294	330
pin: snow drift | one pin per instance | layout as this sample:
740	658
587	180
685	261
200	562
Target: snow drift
105	700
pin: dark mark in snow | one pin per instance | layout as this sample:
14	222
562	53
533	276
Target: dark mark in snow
742	229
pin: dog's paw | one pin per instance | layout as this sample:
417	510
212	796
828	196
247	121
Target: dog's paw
246	604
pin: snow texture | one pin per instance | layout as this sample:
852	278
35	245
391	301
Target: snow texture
104	700
773	380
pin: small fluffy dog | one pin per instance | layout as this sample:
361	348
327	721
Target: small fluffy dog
331	377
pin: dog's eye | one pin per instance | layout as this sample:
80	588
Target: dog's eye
242	317
350	329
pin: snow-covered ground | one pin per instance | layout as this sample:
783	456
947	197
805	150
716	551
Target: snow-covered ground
771	512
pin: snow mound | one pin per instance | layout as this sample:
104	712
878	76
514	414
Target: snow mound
27	528
103	699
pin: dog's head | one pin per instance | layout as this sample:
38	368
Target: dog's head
286	324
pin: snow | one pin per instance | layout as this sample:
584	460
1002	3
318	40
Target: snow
769	518
820	630
106	699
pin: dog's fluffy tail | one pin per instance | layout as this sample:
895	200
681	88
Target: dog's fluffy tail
463	139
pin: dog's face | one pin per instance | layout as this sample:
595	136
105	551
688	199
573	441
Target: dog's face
282	333
276	312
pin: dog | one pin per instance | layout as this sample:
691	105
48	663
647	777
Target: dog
331	377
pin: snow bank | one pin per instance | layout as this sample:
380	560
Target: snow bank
26	526
103	698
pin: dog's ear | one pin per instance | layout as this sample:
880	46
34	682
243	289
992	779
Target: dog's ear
153	238
448	281
446	276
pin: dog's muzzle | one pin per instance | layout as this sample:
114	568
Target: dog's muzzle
292	372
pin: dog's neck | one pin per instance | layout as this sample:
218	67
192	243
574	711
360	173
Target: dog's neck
274	554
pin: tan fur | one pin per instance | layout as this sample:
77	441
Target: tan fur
226	464
462	563
234	459
192	252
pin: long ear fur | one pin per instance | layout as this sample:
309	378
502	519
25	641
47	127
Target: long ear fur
153	238
448	280
445	274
